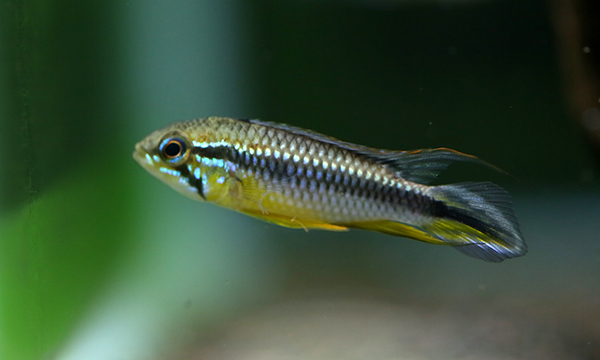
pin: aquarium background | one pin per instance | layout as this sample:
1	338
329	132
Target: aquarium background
98	260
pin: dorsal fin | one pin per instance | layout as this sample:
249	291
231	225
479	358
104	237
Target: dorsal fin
421	166
309	134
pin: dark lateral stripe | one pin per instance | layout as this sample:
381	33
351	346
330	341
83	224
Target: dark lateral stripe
213	152
307	174
452	213
183	170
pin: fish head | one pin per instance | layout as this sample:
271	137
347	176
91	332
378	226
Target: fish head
166	154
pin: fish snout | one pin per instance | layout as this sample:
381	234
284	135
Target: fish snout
141	155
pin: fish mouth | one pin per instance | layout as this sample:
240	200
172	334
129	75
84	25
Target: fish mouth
141	155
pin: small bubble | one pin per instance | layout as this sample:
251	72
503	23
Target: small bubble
586	49
481	287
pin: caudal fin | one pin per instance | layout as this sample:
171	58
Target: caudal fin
478	220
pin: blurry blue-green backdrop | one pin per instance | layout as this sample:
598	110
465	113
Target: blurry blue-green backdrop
98	260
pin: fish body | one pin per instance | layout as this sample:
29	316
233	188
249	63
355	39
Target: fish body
302	179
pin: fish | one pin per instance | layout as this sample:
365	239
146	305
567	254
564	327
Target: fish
302	179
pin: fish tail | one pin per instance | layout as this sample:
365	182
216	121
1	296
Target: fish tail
477	219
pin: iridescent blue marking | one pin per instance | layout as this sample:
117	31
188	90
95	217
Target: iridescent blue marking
184	180
170	171
212	162
204	184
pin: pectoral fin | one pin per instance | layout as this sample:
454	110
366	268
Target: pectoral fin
251	189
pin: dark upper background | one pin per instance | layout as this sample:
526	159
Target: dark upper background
483	78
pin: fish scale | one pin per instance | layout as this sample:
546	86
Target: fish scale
350	179
302	179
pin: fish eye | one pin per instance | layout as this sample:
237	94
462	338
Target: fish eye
172	149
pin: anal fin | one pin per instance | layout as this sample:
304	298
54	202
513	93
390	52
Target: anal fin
296	223
397	229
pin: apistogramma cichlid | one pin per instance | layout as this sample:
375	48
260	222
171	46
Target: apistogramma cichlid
301	179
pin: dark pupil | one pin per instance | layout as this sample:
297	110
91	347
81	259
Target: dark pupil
172	149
